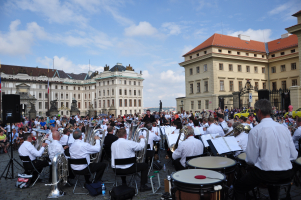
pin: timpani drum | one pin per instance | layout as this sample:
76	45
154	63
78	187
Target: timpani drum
242	158
298	162
187	186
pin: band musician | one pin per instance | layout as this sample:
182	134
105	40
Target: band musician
27	149
187	148
80	149
148	117
270	149
213	128
123	148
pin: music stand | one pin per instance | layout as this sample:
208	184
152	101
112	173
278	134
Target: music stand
11	160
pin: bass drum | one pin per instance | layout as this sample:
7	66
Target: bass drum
187	187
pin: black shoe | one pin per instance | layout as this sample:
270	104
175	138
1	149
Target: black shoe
144	188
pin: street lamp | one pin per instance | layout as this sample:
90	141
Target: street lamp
182	106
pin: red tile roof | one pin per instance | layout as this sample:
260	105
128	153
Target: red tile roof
220	40
297	13
276	45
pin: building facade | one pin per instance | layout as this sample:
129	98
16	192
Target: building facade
118	89
222	65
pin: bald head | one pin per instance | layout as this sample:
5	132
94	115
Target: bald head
56	135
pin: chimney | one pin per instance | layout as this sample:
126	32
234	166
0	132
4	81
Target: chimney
285	35
244	37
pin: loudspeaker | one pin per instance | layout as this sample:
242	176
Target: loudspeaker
263	94
11	108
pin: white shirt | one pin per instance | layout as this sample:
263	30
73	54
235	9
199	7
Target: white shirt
190	124
151	138
27	149
58	122
270	146
189	147
54	148
215	129
123	148
80	149
242	140
224	125
64	139
296	137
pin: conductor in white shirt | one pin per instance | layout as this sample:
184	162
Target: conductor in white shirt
27	149
213	128
80	149
187	148
123	148
270	149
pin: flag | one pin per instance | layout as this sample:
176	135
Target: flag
48	85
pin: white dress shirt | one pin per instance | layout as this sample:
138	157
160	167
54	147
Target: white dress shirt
65	141
215	129
80	149
123	148
189	147
296	137
54	148
224	125
242	140
270	146
198	130
27	149
151	138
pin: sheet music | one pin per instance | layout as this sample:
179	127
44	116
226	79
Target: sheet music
205	138
232	143
225	144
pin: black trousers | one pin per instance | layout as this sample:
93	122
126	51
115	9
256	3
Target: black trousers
256	176
141	167
149	155
99	168
38	164
178	165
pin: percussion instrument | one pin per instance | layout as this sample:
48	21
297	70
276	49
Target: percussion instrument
298	162
242	158
187	185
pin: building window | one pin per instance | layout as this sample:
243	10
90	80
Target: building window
104	103
85	96
264	85
112	82
62	96
283	84
274	85
263	70
134	82
247	54
135	102
248	68
130	82
99	93
205	52
231	86
205	67
239	68
293	51
125	92
255	55
255	69
229	52
130	92
46	105
134	92
240	85
56	95
85	104
78	88
238	53
108	103
125	103
230	67
282	67
108	83
40	95
256	86
198	87
199	104
79	96
112	91
67	104
139	83
221	85
56	87
62	87
120	91
219	51
113	102
108	93
293	66
139	103
190	57
190	71
273	69
294	82
74	96
192	105
197	69
67	96
130	102
221	66
191	88
139	94
40	105
273	55
206	86
125	82
120	102
262	56
206	104
197	55
40	86
99	104
78	104
46	95
282	53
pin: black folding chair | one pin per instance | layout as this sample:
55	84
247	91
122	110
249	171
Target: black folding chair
31	171
126	161
80	161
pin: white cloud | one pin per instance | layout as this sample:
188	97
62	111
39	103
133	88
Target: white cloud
172	27
263	35
62	63
145	74
286	10
280	8
171	77
19	42
142	29
186	49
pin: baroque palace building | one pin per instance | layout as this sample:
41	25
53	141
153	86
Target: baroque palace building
119	89
220	67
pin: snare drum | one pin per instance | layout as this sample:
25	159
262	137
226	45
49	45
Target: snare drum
187	187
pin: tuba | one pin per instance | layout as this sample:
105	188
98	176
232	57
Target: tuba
140	155
42	140
94	158
59	175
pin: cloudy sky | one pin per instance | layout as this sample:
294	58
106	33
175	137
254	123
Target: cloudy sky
150	35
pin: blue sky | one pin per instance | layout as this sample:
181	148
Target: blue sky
152	36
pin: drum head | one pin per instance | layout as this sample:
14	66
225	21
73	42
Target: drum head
242	156
188	177
211	162
298	161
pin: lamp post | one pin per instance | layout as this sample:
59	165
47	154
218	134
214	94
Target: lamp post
182	106
248	87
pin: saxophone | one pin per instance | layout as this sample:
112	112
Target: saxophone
59	175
